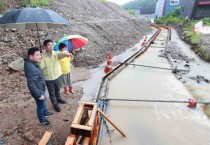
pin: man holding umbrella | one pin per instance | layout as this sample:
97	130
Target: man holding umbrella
51	69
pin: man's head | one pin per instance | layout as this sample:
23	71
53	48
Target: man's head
48	45
62	47
34	54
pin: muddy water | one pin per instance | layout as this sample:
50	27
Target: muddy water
200	91
90	86
153	123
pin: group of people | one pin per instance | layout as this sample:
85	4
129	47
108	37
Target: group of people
52	69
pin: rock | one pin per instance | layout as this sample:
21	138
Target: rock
22	73
193	78
187	65
1	135
206	80
200	78
4	61
13	30
17	65
66	120
6	30
10	131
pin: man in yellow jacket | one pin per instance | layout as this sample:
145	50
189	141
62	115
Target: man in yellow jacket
51	69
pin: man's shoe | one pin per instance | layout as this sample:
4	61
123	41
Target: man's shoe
48	114
61	101
46	122
57	108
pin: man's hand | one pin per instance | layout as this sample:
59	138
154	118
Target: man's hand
41	98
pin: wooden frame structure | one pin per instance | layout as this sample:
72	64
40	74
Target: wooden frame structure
85	126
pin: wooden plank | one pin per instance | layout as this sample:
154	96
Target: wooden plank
86	141
104	115
46	137
70	140
78	140
92	118
88	107
81	127
89	103
78	114
96	133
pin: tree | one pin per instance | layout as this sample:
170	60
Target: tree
136	4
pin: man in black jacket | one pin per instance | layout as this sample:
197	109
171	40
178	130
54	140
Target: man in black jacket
36	84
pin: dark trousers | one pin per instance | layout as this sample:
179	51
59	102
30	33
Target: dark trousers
53	87
41	109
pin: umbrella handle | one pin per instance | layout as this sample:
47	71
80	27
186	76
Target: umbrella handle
40	48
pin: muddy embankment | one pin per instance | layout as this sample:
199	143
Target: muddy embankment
201	48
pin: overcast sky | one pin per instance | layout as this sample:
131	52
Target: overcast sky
120	2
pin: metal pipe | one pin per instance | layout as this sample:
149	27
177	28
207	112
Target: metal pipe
163	101
151	66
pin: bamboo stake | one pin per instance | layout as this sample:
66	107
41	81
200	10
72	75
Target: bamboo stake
104	115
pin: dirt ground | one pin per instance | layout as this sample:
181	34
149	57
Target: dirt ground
19	123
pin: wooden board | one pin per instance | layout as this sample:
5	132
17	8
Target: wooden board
70	140
83	127
93	115
78	114
86	141
46	138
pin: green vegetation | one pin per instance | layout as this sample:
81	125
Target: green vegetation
1	5
190	25
132	12
35	3
139	4
102	1
173	18
206	21
204	52
194	38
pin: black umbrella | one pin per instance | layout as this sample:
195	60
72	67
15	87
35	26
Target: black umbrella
32	18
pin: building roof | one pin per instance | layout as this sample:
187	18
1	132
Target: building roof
147	10
204	3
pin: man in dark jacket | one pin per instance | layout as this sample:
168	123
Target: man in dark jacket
36	84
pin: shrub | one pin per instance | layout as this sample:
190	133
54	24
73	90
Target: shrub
1	5
132	12
35	3
204	52
194	38
102	1
206	21
189	26
172	18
